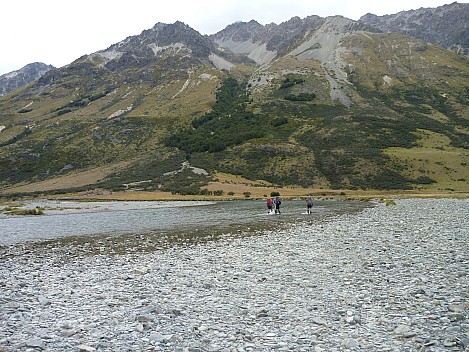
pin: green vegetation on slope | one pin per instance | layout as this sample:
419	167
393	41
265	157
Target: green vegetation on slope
226	125
298	142
286	126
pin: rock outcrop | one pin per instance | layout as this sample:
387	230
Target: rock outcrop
15	79
445	26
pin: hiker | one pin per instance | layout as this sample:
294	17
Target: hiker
309	203
269	206
277	202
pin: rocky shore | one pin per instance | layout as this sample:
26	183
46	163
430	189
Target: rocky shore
389	278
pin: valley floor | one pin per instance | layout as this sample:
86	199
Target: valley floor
231	186
258	193
390	278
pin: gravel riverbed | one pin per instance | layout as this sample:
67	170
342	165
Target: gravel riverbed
389	278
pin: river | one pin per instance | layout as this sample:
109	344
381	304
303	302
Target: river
113	219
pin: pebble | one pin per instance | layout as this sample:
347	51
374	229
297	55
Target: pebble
388	278
34	343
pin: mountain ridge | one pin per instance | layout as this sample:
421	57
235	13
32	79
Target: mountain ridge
335	104
16	79
445	25
454	37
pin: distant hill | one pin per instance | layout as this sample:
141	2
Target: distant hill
446	25
15	79
329	103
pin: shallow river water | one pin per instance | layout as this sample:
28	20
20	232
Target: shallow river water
113	219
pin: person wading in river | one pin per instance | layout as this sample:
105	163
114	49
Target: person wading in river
309	204
269	205
277	202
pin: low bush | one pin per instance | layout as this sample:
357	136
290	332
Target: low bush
424	180
34	211
300	97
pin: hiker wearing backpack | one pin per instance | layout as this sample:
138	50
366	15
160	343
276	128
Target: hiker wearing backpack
309	203
277	202
269	205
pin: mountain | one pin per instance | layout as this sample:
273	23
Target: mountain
447	25
319	102
265	43
15	79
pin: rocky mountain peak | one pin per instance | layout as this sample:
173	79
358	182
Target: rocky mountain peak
162	35
264	43
239	31
162	39
445	26
15	79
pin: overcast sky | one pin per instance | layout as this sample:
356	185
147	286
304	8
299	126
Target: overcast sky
57	32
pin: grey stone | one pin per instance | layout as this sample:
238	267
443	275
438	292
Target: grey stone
144	318
449	343
454	317
318	321
408	334
160	338
350	343
44	301
456	308
69	332
35	343
454	329
318	278
401	329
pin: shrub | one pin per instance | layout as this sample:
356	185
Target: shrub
424	180
64	111
279	121
34	211
300	97
25	110
290	82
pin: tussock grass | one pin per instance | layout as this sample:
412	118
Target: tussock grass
436	159
18	211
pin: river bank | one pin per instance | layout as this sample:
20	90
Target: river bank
222	187
260	192
389	278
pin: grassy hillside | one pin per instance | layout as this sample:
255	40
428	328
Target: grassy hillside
397	87
433	162
47	134
389	112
